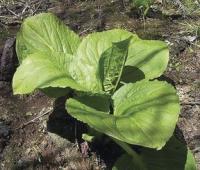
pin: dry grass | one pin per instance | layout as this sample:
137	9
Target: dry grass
13	11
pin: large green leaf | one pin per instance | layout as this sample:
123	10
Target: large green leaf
88	55
45	32
145	113
154	107
42	70
150	57
56	92
112	63
174	156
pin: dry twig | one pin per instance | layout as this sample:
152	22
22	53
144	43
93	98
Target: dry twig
34	119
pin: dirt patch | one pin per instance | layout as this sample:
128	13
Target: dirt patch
32	145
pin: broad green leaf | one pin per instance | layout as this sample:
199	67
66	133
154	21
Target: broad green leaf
55	92
95	117
145	113
112	63
174	156
151	107
45	32
88	55
148	56
99	102
42	70
128	72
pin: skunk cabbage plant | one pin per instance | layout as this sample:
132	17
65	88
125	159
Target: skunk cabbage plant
112	75
143	3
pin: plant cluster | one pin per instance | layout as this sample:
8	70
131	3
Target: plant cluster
112	75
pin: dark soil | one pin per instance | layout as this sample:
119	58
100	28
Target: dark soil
53	140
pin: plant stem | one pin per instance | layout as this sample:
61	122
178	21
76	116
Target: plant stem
131	153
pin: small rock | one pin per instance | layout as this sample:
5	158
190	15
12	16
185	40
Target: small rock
4	135
190	38
8	60
4	130
20	163
28	114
